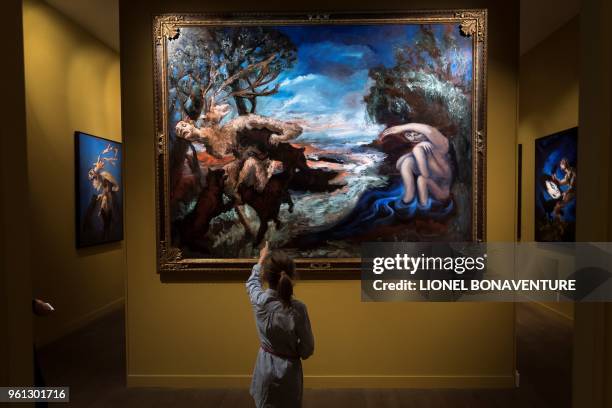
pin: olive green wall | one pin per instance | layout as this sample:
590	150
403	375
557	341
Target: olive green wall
548	103
72	83
15	283
203	334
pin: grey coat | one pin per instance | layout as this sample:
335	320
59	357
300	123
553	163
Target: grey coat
286	334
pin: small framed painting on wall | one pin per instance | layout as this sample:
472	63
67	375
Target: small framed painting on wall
99	190
556	177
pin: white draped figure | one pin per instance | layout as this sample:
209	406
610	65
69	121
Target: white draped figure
426	169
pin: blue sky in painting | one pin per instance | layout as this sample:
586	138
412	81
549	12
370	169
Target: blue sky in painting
325	88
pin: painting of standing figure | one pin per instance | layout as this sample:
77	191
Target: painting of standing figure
556	176
318	136
99	190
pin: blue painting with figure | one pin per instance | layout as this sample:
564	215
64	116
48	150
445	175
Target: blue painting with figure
556	177
318	137
99	190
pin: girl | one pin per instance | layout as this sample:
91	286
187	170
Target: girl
284	331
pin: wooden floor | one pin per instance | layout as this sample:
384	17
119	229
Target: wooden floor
91	361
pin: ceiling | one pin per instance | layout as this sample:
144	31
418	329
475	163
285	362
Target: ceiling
539	18
99	17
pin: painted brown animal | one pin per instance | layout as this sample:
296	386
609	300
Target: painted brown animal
209	205
185	174
267	203
296	175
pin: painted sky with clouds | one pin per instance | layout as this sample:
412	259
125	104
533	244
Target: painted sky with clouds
324	90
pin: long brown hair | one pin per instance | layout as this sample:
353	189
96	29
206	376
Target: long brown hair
279	272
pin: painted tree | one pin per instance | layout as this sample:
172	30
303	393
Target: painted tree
430	82
252	57
211	65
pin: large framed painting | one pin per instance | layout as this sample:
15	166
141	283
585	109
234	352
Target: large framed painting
556	176
316	133
99	190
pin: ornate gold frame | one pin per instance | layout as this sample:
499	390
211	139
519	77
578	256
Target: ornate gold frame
166	27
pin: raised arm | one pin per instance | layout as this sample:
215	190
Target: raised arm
394	130
253	284
430	132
